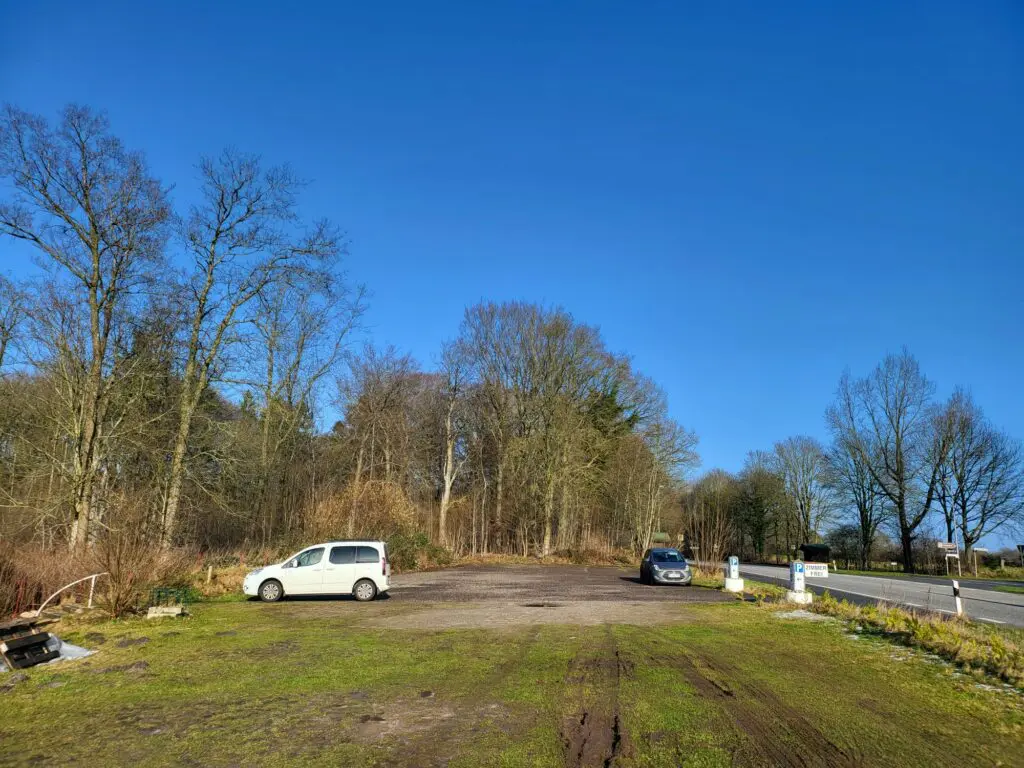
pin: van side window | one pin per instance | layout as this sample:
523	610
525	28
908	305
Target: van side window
310	557
367	555
343	555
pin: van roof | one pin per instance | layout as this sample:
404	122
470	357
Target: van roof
371	542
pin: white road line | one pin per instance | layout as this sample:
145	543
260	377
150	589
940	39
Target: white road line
839	588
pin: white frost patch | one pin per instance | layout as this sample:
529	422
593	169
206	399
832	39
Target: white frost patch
800	613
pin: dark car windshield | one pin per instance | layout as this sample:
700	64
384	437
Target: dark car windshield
667	557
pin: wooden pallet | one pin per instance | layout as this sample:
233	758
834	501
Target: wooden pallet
27	651
23	643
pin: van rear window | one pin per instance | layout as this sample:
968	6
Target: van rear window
343	555
367	555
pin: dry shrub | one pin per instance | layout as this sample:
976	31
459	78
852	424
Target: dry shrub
30	574
594	556
415	552
124	550
381	510
127	550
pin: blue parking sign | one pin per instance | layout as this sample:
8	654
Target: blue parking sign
798	567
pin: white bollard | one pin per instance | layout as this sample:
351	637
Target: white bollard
956	598
796	593
733	582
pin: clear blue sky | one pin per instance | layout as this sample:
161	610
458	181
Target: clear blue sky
747	197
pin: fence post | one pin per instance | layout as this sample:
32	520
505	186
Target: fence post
92	588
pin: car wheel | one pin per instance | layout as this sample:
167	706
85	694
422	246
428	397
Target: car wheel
365	590
271	591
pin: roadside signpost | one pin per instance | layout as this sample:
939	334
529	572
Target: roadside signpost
952	552
796	593
816	570
976	550
733	582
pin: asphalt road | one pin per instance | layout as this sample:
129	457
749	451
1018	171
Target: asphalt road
931	594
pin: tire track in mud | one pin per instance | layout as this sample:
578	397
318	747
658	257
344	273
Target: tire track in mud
594	736
428	746
776	733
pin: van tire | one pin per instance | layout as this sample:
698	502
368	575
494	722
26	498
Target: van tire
271	591
364	590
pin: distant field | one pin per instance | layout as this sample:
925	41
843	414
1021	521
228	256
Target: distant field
1006	574
301	683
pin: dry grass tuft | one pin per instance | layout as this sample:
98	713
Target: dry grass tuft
971	646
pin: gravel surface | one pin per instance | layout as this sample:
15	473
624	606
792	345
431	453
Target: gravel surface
541	583
503	596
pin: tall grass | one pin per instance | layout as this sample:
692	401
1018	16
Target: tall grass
973	647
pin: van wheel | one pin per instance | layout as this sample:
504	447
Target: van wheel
365	590
271	591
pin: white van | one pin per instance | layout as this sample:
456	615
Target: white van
358	568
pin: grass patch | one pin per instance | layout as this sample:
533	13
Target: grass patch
301	681
1009	573
1008	588
974	647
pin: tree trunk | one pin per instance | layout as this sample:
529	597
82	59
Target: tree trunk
549	509
499	539
355	491
448	476
907	543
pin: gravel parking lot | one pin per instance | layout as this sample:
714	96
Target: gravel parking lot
536	583
515	595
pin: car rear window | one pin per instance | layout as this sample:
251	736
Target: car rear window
343	555
367	555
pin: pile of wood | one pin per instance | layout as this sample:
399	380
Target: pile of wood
24	644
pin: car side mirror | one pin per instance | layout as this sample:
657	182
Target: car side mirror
289	564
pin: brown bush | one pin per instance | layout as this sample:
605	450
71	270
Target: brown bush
135	563
381	510
30	574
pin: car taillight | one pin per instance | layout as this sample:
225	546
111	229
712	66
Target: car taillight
384	565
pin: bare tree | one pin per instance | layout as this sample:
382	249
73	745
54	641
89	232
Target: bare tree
851	475
981	481
801	463
97	219
12	313
453	386
762	503
377	395
710	516
242	237
891	426
303	322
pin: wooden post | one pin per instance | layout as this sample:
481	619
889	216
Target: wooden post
209	574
